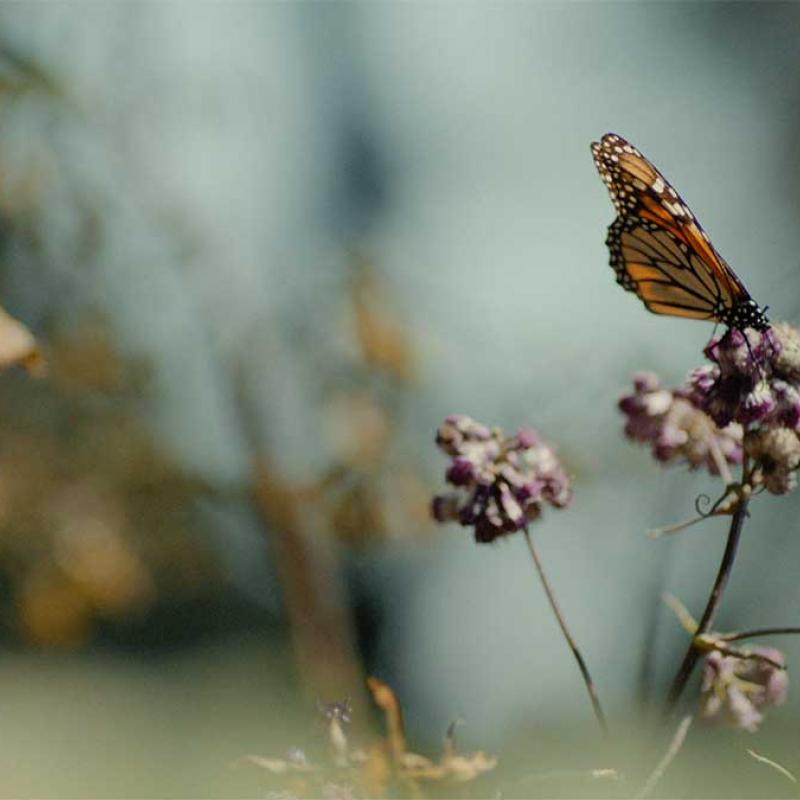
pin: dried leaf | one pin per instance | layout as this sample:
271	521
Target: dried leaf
463	768
416	763
278	766
53	610
18	346
360	429
387	701
86	359
376	769
384	342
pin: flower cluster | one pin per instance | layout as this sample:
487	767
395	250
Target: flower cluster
736	690
776	455
746	402
675	428
753	378
500	483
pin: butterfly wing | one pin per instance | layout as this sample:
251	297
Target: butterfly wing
658	249
657	266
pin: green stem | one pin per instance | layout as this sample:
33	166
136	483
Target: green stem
712	607
674	748
736	637
587	678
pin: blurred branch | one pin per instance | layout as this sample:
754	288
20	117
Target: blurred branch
27	73
321	630
350	500
319	626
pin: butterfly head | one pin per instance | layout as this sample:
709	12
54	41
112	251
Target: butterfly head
747	314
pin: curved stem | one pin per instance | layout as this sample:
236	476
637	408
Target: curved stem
712	607
736	637
587	678
674	748
747	655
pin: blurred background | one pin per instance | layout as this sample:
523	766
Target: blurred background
266	248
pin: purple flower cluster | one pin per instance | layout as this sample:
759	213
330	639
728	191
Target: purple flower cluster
753	378
736	691
747	401
500	483
675	429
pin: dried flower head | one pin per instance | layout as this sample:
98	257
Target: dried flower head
501	483
776	453
786	360
339	711
675	429
736	690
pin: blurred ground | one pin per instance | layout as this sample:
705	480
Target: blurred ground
176	726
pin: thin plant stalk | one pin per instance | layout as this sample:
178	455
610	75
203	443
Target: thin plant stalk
693	653
562	623
774	764
737	637
674	748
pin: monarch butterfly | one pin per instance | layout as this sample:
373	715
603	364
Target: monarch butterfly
658	249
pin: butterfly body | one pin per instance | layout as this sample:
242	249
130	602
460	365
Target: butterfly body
658	249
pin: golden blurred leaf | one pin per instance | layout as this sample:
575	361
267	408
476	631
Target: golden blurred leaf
356	513
279	500
387	701
86	360
93	549
376	771
384	342
53	610
360	429
95	518
18	346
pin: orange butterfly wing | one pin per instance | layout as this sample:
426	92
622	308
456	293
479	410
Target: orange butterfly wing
658	249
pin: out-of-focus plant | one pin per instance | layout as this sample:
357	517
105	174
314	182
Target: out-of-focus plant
738	683
364	491
96	522
382	768
19	347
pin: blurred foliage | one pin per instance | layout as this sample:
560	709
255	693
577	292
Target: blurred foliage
96	522
370	491
366	491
